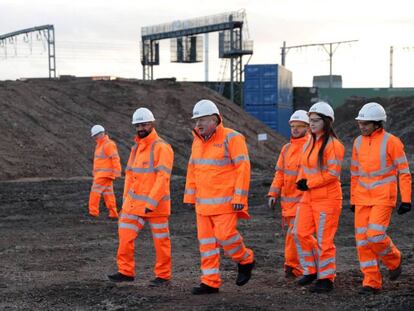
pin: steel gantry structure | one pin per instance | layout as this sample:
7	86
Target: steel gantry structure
231	43
48	31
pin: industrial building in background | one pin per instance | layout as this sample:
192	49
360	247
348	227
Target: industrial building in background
186	46
46	32
268	95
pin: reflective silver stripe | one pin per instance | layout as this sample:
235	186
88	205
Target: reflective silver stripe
241	192
306	254
384	181
326	273
277	168
326	262
334	173
400	160
379	172
361	243
290	199
166	198
207	241
133	217
123	225
357	143
159	225
377	238
142	169
369	263
215	251
222	162
189	191
360	230
97	191
210	271
275	190
306	145
231	240
110	170
290	172
299	249
308	170
354	163
385	251
142	198
213	200
162	168
309	263
335	161
353	173
404	171
321	228
161	235
240	158
383	151
246	254
234	249
108	193
377	227
231	135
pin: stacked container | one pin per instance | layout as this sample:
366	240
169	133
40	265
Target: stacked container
268	95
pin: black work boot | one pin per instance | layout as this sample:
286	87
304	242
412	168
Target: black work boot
368	290
158	282
307	279
244	273
394	274
322	286
119	277
289	272
204	289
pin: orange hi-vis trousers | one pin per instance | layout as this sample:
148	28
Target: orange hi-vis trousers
291	255
214	231
373	244
102	186
317	255
128	228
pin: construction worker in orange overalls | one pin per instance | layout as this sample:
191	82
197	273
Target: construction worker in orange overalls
106	167
217	184
146	199
318	213
378	158
284	186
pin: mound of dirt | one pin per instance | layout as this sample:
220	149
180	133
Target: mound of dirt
46	124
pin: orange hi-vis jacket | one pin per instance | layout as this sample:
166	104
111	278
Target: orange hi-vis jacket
323	182
218	173
376	161
147	177
287	170
106	161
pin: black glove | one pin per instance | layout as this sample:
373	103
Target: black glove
404	208
352	208
301	185
238	207
147	210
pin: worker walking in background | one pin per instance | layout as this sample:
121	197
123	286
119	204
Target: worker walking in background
284	186
377	159
217	184
146	199
106	167
320	207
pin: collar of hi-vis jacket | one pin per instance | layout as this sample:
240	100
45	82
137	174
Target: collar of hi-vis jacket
102	140
300	140
147	140
377	133
217	133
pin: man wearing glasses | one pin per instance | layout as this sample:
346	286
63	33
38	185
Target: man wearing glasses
284	186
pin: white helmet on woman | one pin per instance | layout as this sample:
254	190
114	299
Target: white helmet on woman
372	112
323	108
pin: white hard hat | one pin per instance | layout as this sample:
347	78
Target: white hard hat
300	115
372	112
142	115
204	108
96	129
323	108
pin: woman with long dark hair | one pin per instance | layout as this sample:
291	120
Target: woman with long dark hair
318	213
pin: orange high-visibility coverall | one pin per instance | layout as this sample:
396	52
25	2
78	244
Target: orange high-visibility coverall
218	176
284	186
106	167
376	161
319	209
147	185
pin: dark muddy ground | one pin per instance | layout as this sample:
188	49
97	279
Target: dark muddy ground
53	258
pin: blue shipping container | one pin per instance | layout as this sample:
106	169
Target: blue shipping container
283	116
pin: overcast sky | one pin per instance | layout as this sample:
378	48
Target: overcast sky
102	37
